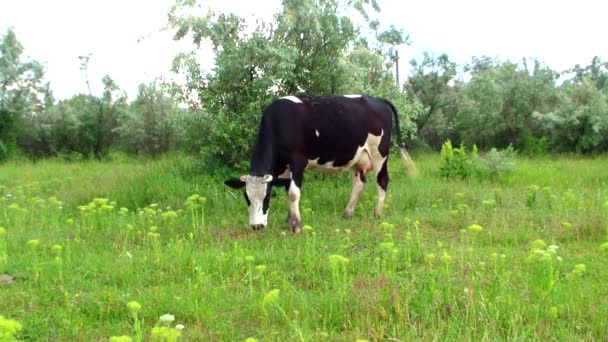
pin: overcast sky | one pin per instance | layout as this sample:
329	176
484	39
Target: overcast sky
559	33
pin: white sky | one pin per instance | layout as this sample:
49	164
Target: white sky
559	33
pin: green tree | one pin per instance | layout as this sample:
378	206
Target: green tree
432	83
68	135
34	131
22	91
497	103
152	124
309	48
102	116
317	36
580	122
596	72
88	125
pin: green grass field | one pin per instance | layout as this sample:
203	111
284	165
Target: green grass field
102	249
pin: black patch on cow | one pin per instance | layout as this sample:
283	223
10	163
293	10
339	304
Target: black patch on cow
266	203
284	182
288	131
247	198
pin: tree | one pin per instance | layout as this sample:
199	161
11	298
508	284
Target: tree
68	134
22	91
152	124
580	122
431	83
308	48
34	132
596	72
101	118
497	103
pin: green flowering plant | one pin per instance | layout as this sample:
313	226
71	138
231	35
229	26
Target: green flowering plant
531	195
196	205
338	267
270	298
3	248
544	263
135	308
164	332
8	329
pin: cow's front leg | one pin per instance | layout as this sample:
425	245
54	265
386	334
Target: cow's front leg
297	174
358	183
381	186
295	220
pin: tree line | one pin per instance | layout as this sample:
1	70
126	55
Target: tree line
310	47
527	105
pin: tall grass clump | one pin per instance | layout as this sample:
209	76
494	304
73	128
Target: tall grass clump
456	163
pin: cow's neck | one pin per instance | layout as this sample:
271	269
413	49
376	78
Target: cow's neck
263	156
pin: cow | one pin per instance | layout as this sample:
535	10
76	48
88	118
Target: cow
335	133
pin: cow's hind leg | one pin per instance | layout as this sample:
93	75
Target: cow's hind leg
381	185
358	183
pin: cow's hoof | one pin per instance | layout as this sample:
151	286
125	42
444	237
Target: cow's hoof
296	225
347	215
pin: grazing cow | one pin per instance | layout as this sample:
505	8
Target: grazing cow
338	133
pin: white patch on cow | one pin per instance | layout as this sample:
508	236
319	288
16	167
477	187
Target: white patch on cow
381	197
292	99
255	188
317	132
361	156
352	96
286	174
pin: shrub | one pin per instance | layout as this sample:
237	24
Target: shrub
455	163
498	162
534	146
3	151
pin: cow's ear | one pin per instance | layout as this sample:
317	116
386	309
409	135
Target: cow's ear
284	182
235	183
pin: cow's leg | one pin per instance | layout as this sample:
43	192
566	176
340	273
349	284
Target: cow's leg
358	183
288	220
295	220
381	186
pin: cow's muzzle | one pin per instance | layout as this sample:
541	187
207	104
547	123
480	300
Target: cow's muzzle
258	226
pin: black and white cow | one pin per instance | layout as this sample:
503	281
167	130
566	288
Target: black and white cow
339	133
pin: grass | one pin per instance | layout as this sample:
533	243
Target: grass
517	258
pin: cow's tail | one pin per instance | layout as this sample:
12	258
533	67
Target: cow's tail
410	167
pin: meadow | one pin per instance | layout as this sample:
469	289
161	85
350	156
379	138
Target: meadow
161	250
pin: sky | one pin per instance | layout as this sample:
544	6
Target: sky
126	40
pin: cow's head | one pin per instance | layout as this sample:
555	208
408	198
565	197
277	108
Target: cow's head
257	194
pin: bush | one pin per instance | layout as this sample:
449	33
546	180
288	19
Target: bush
534	146
498	162
3	151
455	163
